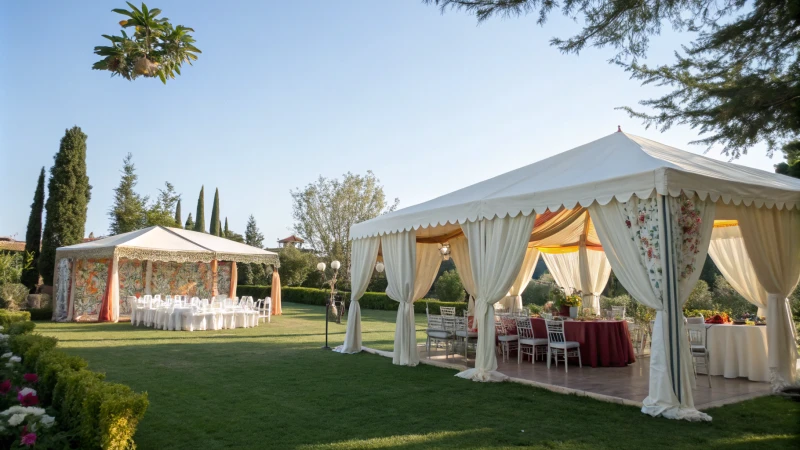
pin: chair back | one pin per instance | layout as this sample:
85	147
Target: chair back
696	320
447	310
435	322
204	303
697	334
449	323
462	323
618	311
524	328
555	331
250	304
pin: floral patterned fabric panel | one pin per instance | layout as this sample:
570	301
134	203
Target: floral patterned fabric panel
62	290
171	278
90	287
131	282
641	219
224	278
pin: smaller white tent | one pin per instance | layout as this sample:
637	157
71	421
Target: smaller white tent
144	247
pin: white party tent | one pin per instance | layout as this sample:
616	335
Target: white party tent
650	209
90	276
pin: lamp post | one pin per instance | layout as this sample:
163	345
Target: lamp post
332	282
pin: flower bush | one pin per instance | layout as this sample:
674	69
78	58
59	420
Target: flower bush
48	399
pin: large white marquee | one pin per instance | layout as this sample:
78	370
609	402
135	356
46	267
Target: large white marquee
647	210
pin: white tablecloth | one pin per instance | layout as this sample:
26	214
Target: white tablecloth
738	351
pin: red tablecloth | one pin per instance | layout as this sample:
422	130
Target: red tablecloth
603	343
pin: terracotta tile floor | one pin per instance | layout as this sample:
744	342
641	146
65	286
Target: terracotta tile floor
617	384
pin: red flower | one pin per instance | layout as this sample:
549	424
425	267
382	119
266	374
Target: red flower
31	377
649	252
628	223
5	386
28	440
641	218
28	400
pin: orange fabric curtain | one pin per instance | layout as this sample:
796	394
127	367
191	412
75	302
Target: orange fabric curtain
105	307
276	293
234	278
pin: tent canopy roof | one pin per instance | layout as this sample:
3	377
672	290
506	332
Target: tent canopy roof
617	166
169	244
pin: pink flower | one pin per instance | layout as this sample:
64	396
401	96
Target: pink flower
5	386
31	377
29	440
28	399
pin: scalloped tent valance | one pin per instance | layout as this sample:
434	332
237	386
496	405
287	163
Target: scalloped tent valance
169	244
617	166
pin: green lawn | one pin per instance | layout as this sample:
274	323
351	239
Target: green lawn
272	387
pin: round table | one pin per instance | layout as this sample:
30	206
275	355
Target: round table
738	351
604	343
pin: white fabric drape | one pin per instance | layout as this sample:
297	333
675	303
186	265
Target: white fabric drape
148	276
459	252
595	270
565	269
362	261
523	278
729	254
497	248
635	236
772	239
410	271
399	257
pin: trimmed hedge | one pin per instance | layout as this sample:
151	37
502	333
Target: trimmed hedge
7	318
370	300
41	313
101	414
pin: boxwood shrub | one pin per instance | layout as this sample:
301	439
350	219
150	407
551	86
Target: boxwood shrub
99	414
370	300
7	318
41	313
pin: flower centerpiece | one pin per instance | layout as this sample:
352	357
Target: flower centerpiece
568	304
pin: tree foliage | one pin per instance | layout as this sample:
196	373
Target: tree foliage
738	83
296	265
448	287
162	211
792	165
200	217
325	210
128	212
215	220
68	198
155	49
189	223
178	221
33	236
252	235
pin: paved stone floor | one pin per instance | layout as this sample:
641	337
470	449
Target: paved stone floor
628	385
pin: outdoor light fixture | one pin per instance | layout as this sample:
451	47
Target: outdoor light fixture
380	267
335	265
444	249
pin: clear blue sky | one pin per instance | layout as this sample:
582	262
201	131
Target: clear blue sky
287	91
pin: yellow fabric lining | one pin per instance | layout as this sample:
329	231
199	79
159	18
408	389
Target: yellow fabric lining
726	223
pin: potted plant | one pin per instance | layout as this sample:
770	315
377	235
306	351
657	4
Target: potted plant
573	303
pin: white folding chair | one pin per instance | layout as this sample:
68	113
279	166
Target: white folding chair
437	333
508	340
537	346
697	342
465	335
559	345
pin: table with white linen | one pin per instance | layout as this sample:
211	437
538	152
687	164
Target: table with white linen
738	351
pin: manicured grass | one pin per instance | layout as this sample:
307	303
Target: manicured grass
272	387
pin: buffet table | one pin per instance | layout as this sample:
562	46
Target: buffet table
738	351
605	343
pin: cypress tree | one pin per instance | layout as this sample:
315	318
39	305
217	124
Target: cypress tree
178	214
215	223
68	195
226	230
33	237
189	223
129	212
200	217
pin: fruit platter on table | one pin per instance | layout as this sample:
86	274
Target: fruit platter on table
719	319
